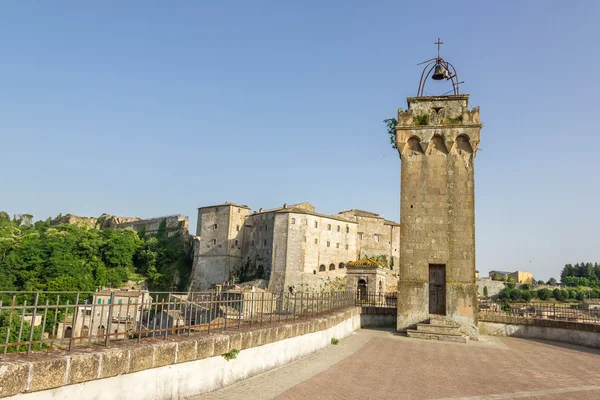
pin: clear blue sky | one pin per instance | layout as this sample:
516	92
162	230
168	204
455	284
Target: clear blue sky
147	108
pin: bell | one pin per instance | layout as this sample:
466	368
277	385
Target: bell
439	73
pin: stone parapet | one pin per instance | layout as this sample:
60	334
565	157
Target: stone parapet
49	369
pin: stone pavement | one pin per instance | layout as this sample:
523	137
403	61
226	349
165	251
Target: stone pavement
374	364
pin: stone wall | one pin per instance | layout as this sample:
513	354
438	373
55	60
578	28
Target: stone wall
176	368
174	224
494	287
532	328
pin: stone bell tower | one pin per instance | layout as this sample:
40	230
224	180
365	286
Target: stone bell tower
437	138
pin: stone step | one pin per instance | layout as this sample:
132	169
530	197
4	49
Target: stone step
444	337
431	328
441	320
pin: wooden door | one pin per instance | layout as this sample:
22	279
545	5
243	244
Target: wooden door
437	289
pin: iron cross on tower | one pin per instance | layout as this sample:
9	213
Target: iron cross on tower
438	45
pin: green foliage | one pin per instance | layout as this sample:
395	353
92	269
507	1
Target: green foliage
510	285
14	324
38	257
511	279
558	294
419	120
334	341
391	130
232	355
552	281
453	121
544	294
525	286
485	291
527	295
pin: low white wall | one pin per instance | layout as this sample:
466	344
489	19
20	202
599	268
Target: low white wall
179	381
581	338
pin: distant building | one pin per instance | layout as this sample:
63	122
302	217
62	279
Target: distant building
291	246
520	277
95	319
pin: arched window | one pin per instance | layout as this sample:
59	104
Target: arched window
341	265
331	267
68	332
322	268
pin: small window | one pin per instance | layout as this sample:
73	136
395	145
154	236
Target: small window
214	241
316	241
216	209
341	265
316	224
347	229
215	226
265	243
332	267
328	227
322	268
377	238
237	228
314	271
109	300
346	247
99	301
293	220
120	301
339	228
236	243
328	243
359	235
304	238
337	245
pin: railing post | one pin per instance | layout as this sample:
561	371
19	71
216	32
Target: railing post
32	326
109	319
74	322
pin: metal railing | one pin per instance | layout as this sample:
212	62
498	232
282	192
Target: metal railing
62	320
377	299
583	313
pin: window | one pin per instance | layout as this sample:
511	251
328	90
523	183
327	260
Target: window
215	226
328	243
265	243
359	235
346	247
332	267
314	271
347	229
304	238
337	245
316	224
341	265
236	243
328	227
293	220
316	241
109	300
99	301
214	241
216	209
120	301
322	267
339	228
377	238
237	228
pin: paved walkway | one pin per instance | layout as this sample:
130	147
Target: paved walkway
373	364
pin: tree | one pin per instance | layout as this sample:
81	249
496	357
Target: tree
544	294
541	282
485	291
552	281
558	294
526	295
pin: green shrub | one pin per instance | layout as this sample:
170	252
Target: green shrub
334	341
485	291
558	294
231	355
526	295
544	294
515	295
525	286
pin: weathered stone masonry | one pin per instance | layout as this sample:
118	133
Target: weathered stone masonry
437	138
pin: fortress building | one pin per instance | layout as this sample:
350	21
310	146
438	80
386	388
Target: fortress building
293	247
